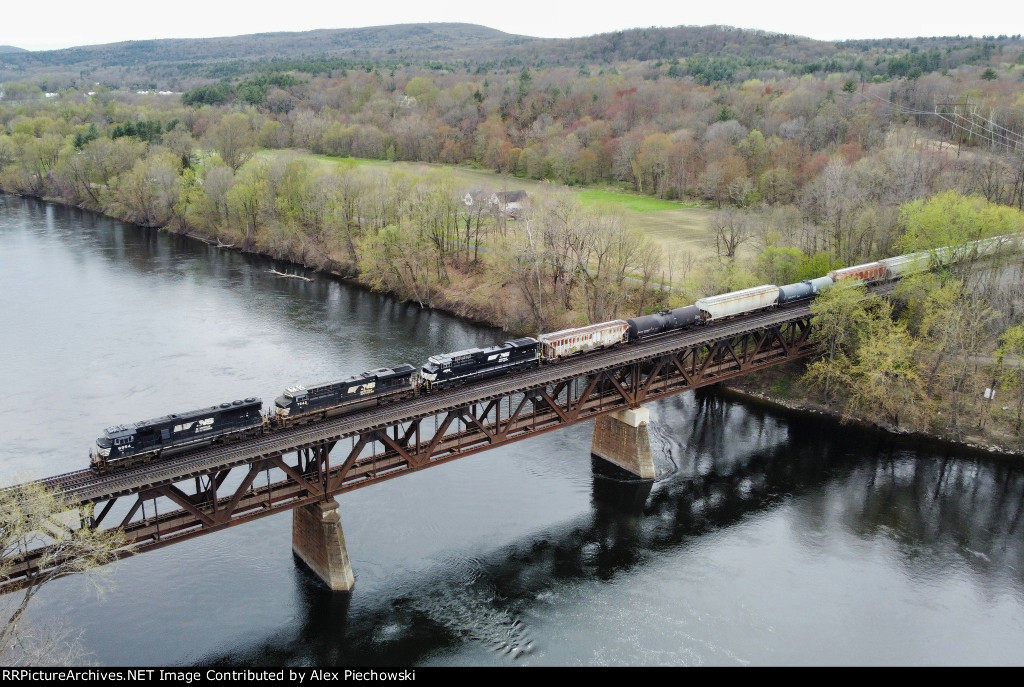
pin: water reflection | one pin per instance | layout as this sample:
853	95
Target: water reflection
768	538
733	462
138	323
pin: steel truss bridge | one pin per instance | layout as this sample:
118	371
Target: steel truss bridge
206	491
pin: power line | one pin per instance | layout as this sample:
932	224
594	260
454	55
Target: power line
963	119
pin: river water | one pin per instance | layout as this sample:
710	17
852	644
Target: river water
768	539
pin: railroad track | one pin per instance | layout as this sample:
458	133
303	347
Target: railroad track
86	486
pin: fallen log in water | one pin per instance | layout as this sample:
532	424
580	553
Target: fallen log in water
290	276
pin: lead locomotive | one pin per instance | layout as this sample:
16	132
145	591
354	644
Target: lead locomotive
126	445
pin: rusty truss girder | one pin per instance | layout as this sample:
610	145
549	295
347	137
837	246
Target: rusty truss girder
378	454
209	500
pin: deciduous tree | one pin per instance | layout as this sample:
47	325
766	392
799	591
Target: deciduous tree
34	519
233	138
1010	369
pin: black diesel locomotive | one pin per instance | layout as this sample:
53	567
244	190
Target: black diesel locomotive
126	445
451	369
300	404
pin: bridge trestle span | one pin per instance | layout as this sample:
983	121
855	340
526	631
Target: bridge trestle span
309	467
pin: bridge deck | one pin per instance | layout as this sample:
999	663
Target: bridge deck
85	486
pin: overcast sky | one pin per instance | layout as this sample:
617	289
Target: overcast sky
53	24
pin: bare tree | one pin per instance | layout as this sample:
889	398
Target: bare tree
731	228
36	520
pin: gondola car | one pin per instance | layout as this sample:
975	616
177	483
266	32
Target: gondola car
451	369
299	404
582	339
125	445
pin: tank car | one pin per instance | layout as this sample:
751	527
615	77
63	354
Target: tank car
662	322
568	342
299	404
125	445
808	288
459	367
736	303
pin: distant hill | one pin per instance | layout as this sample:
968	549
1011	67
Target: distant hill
183	63
11	48
416	40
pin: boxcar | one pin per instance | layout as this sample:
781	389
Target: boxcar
124	445
449	369
582	339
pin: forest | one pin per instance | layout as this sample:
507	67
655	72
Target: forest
386	157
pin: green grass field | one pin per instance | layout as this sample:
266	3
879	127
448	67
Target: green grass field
676	226
634	203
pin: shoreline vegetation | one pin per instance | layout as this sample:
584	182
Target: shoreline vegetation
614	177
763	389
782	387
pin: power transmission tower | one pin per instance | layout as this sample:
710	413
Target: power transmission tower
968	125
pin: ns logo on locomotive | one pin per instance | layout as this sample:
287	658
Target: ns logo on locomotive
125	445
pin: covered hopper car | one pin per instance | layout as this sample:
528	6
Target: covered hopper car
735	303
583	339
870	272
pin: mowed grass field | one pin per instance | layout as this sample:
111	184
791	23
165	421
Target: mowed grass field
676	227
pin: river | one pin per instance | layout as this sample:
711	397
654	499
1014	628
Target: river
769	538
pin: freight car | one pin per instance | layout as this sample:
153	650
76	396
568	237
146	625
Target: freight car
452	369
582	339
905	265
869	272
722	306
808	288
125	445
300	404
662	322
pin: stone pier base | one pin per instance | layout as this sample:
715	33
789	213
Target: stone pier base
318	541
621	438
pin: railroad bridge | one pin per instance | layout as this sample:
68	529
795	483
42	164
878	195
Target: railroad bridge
304	469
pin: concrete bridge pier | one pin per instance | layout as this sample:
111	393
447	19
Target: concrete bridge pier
621	438
318	541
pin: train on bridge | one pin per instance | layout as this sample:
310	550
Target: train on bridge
125	445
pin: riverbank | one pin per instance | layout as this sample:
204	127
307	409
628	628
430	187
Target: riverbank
780	387
467	295
472	296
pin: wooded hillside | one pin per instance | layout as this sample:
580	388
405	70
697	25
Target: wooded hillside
803	156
